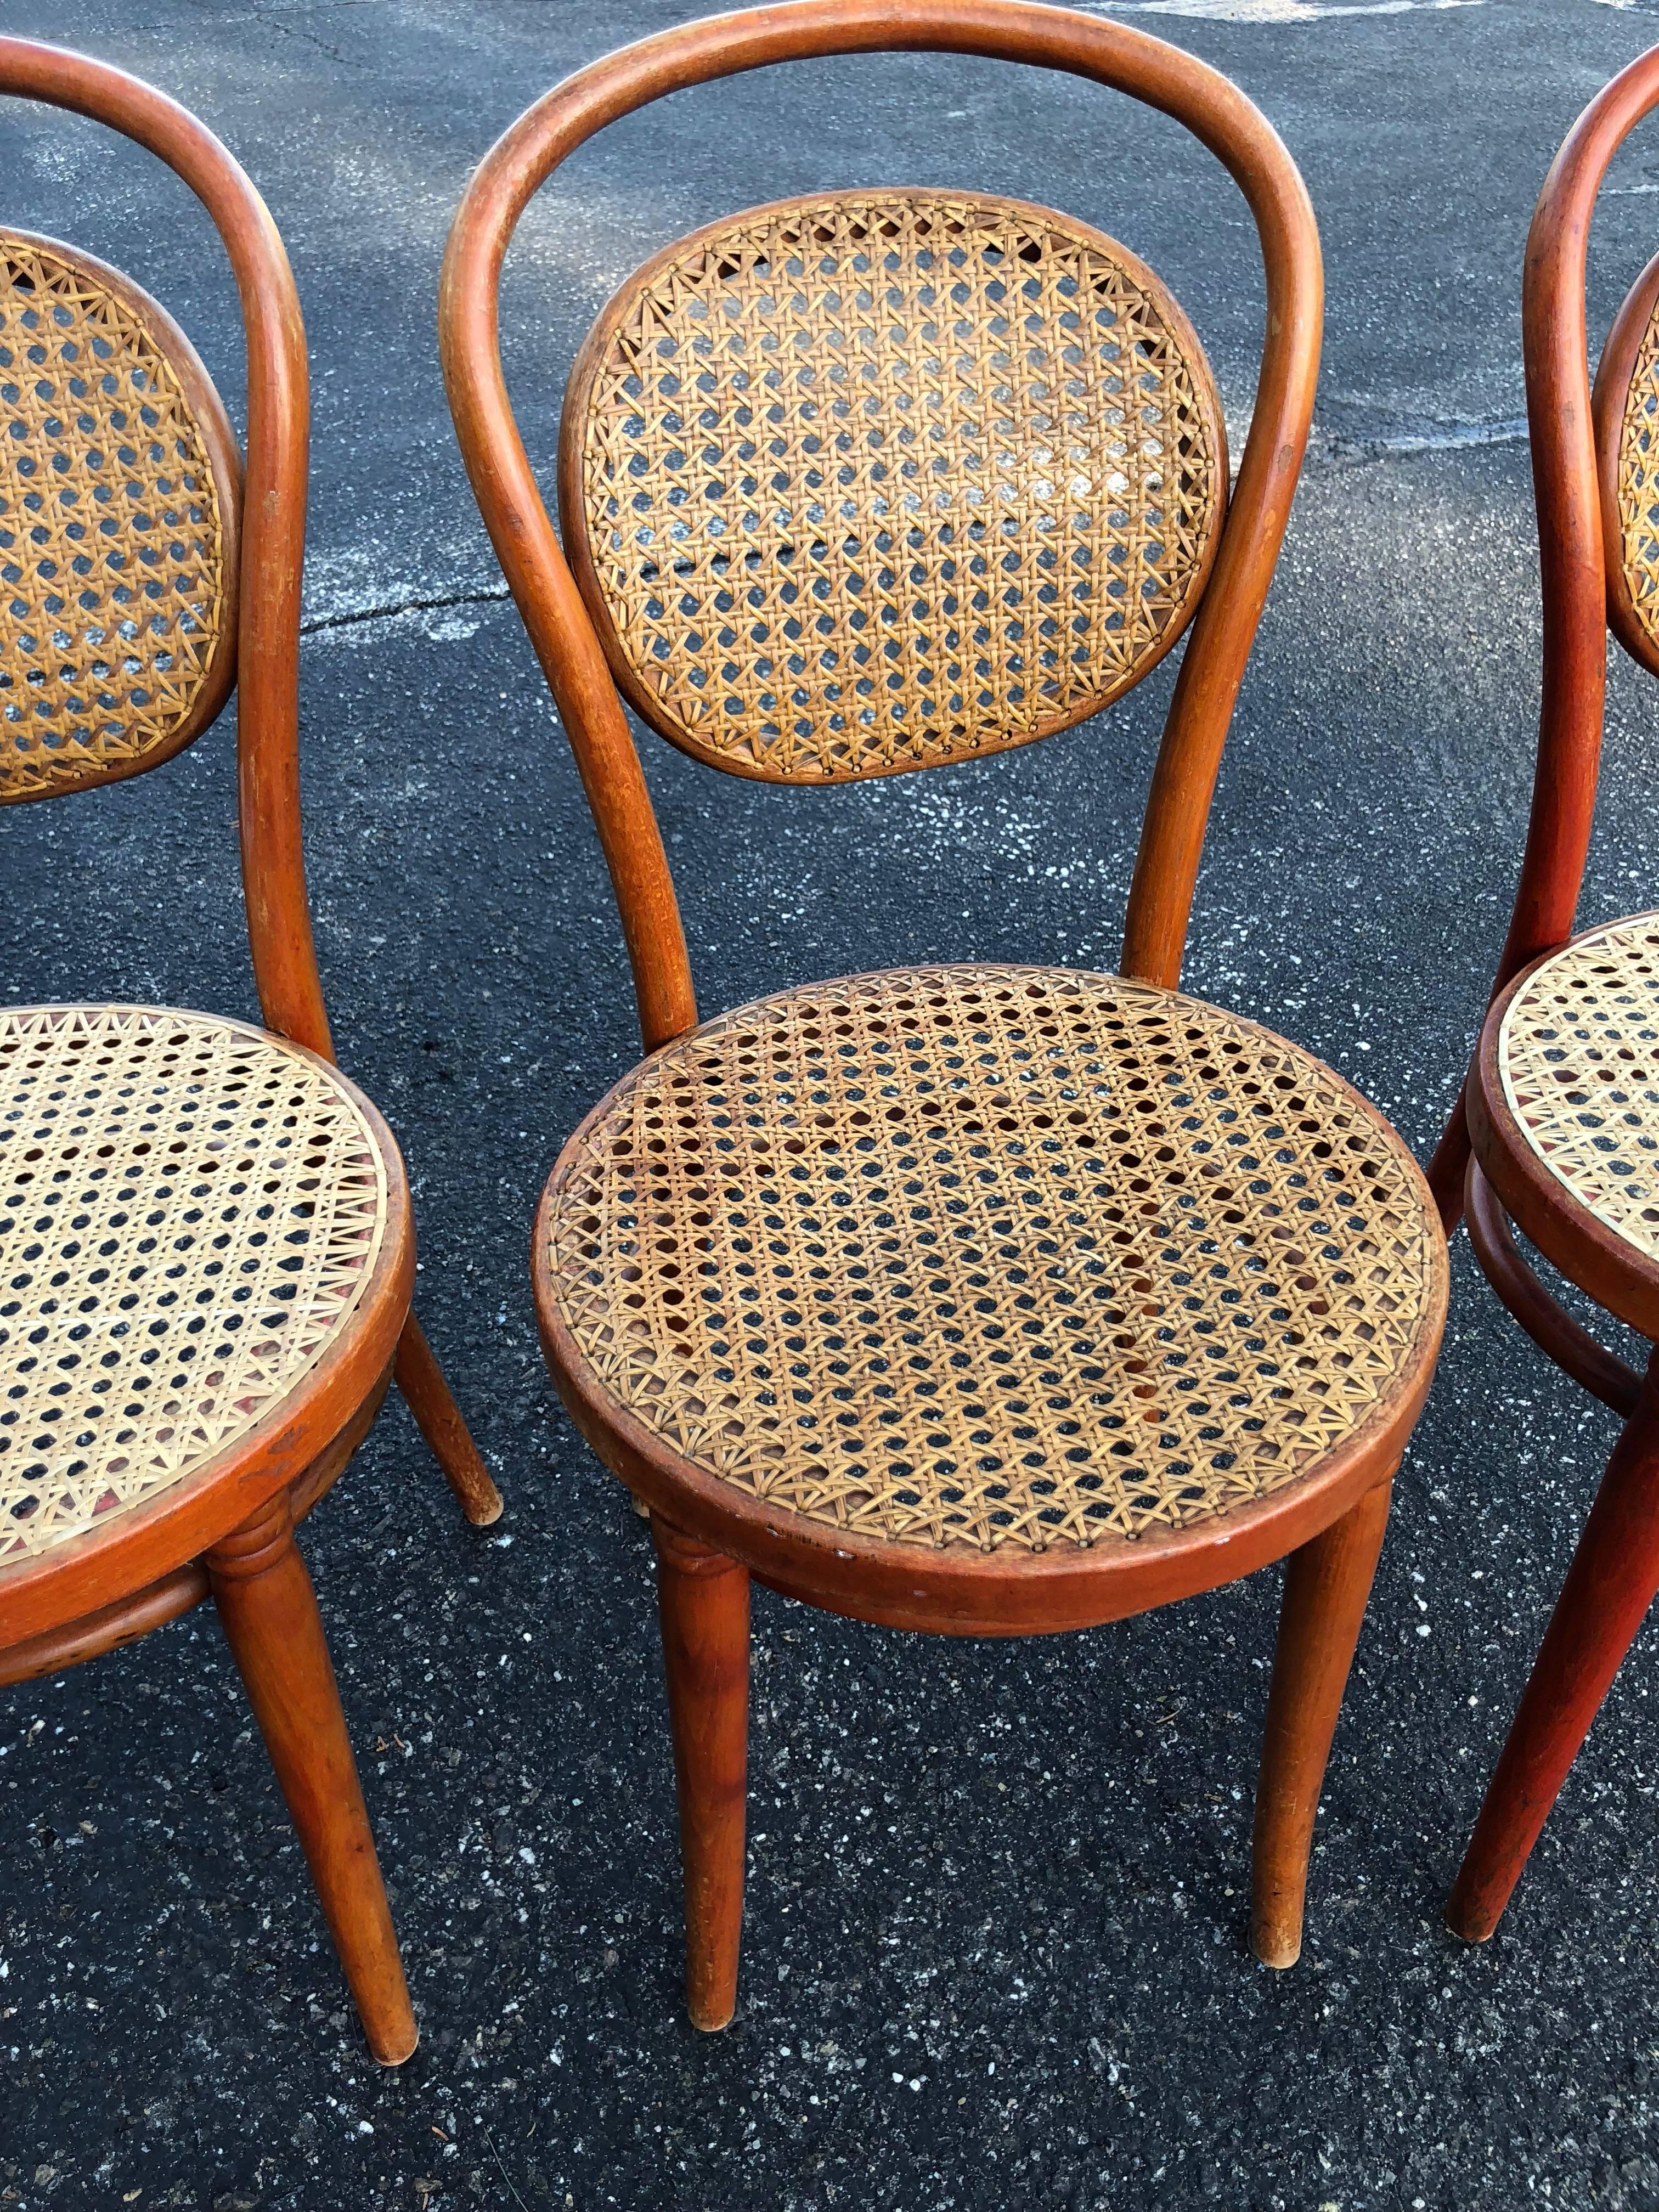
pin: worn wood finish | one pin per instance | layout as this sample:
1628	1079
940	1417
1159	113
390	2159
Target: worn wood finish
269	1612
1549	1325
1572	569
1603	1601
175	1593
1552	1109
832	1551
1327	1583
703	1599
114	1567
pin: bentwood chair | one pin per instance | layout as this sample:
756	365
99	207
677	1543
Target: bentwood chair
206	1249
983	1300
1561	1104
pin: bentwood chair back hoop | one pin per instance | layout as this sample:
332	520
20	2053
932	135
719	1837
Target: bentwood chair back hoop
206	1249
1556	1127
985	1300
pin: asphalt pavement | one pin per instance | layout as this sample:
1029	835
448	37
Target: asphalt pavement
995	1950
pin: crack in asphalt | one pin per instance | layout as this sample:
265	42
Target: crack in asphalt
1327	448
311	624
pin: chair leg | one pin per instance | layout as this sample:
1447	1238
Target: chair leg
703	1601
269	1610
1608	1587
438	1418
1327	1583
1450	1165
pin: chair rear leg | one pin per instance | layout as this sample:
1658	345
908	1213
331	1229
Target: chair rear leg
1608	1590
702	1598
1450	1165
1327	1583
427	1397
269	1610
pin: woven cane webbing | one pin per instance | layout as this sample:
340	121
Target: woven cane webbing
1578	1054
1638	484
112	570
991	1255
883	479
190	1209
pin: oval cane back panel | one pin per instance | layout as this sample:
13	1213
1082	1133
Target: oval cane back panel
189	1212
1578	1055
994	1256
868	482
118	493
1631	517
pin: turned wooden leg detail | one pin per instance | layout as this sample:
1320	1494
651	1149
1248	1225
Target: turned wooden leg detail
438	1418
703	1601
1608	1588
1327	1583
269	1610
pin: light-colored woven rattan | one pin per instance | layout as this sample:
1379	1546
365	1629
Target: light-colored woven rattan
884	479
111	570
190	1211
1639	482
992	1255
1578	1055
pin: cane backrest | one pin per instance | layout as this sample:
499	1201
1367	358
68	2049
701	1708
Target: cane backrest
119	490
874	480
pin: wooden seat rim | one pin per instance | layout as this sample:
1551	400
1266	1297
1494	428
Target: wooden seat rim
1586	1250
173	1595
956	1589
104	1566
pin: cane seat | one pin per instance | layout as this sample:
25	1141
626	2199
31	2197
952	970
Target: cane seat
1565	1112
191	1210
1003	1257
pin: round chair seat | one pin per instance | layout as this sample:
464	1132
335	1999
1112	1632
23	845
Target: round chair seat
191	1211
1000	1265
1565	1112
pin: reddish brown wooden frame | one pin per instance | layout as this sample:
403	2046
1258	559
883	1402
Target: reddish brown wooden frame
229	1527
707	1535
1484	1162
533	562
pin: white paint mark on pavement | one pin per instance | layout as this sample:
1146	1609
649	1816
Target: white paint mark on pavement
1286	11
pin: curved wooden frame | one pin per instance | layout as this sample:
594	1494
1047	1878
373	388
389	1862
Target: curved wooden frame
711	1539
1573	571
548	600
229	1526
1483	1159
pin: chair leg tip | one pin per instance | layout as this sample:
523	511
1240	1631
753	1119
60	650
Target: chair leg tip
1275	1947
484	1509
395	2049
711	2023
1469	1927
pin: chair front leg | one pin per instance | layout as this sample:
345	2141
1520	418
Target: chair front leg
268	1609
438	1418
1603	1601
1327	1583
702	1598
